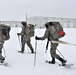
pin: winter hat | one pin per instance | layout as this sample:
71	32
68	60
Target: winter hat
24	23
46	25
61	33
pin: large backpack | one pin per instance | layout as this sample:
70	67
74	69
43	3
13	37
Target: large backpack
32	29
4	31
55	29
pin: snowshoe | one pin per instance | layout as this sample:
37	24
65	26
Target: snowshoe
20	51
64	62
50	62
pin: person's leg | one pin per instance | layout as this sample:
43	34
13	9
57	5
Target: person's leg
53	52
1	57
63	61
30	46
55	55
53	61
22	47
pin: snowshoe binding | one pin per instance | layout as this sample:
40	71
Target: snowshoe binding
64	62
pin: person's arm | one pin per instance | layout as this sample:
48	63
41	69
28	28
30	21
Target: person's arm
43	37
23	30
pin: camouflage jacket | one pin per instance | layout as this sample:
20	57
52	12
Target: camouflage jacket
47	35
25	34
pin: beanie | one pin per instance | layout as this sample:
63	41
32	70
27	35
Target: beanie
23	23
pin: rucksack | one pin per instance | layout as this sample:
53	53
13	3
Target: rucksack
4	31
32	29
56	30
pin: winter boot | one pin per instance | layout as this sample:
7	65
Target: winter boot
63	61
32	52
2	59
53	61
21	51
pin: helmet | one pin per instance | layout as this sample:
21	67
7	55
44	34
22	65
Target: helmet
61	33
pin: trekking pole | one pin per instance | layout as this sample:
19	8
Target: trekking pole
4	52
60	54
35	52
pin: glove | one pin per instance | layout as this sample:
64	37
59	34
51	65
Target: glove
37	38
18	34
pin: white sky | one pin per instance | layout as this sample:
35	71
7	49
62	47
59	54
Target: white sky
17	9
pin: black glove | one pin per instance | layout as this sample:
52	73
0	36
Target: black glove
18	34
37	38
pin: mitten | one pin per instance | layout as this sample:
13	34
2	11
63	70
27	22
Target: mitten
37	38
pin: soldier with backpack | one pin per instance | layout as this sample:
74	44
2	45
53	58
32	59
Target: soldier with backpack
26	33
4	36
54	31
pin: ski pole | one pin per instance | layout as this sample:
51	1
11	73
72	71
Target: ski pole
60	54
35	52
4	52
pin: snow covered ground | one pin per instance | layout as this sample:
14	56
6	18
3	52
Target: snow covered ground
23	64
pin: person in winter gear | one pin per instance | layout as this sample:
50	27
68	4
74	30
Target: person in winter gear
53	45
4	35
25	37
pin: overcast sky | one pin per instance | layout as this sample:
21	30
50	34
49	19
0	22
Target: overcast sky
17	9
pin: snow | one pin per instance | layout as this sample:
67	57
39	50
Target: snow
23	64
